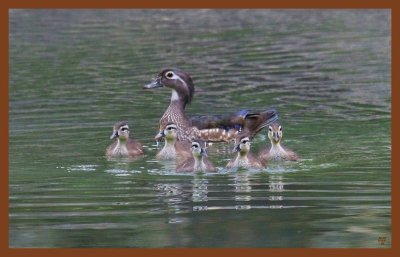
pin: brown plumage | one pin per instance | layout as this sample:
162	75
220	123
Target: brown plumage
277	152
123	146
244	158
208	128
198	161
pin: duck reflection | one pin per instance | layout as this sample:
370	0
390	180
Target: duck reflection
242	189
200	192
276	188
189	195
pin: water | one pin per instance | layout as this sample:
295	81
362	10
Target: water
73	73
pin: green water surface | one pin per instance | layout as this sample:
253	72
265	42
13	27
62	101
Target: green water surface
73	73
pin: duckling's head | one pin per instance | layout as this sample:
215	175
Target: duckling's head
242	145
275	133
170	132
198	149
120	131
179	81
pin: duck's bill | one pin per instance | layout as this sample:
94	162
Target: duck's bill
114	135
154	84
236	149
159	136
204	152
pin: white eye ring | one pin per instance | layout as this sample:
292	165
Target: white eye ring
169	75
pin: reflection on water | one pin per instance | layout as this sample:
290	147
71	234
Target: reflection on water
74	73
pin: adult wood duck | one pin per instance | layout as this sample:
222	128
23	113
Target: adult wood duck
244	158
173	148
208	128
277	151
198	161
123	146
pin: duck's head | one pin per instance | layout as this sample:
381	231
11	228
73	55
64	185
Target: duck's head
242	145
170	132
120	131
179	81
275	133
198	149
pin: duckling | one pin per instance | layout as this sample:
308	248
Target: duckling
173	148
198	161
277	151
208	128
123	146
244	158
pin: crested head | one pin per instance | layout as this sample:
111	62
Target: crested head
275	133
179	81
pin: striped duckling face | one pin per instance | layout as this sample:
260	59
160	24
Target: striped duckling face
120	131
275	133
243	146
170	132
198	149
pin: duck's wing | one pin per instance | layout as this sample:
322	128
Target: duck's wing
291	156
226	122
264	155
183	149
135	148
255	162
110	148
256	121
186	165
209	165
248	122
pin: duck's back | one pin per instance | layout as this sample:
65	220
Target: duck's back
110	149
209	166
183	149
185	165
134	148
255	162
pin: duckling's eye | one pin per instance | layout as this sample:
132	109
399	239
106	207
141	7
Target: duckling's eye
270	129
124	129
169	74
280	128
195	146
245	141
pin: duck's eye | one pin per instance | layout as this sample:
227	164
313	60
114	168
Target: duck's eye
169	74
245	141
195	146
280	128
124	129
270	129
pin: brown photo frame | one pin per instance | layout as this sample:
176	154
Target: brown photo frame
5	5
